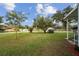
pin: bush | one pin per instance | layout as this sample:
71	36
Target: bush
30	29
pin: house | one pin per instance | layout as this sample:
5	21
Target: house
74	26
7	28
2	27
10	28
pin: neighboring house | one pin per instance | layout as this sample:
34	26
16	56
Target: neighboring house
2	27
5	27
23	30
10	28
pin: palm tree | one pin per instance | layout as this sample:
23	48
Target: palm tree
15	19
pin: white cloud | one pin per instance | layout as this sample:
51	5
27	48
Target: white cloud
9	6
26	20
30	8
73	5
39	8
23	12
50	10
45	9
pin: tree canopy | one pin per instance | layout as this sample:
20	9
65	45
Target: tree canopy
42	23
15	18
61	14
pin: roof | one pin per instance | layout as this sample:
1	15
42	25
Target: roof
71	12
3	24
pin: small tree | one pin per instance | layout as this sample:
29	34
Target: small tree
30	29
15	19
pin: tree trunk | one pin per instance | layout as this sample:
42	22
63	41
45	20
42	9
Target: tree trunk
16	32
30	31
64	23
44	31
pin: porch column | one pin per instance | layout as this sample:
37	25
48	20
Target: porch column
67	28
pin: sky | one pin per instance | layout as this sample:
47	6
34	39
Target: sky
32	9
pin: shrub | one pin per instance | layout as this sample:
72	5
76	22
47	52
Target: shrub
30	29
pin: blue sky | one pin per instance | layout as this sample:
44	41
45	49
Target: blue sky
32	9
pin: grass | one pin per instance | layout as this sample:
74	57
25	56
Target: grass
32	44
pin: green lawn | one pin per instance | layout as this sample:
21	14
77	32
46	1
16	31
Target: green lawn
33	44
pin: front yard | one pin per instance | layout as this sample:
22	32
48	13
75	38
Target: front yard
33	44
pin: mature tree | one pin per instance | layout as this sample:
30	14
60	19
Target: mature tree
58	16
67	10
15	19
42	23
61	14
71	17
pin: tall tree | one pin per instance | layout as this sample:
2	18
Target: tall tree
67	10
15	19
71	16
61	14
58	16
